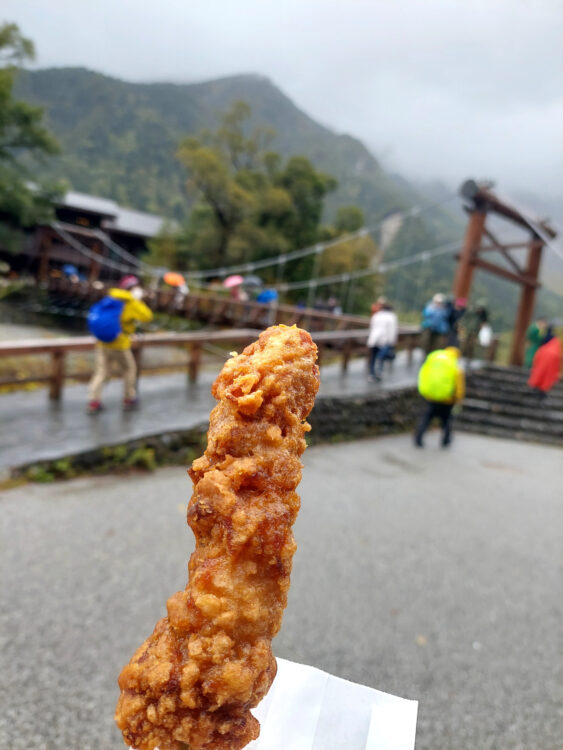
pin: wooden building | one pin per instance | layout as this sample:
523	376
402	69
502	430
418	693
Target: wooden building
100	238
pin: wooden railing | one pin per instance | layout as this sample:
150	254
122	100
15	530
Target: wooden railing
215	309
345	344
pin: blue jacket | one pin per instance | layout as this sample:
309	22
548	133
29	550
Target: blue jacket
435	317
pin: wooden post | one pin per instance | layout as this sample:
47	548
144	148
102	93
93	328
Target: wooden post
57	374
194	362
492	349
45	242
471	242
526	304
346	353
411	340
94	274
137	350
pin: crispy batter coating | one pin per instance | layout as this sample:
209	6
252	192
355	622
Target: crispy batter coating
207	663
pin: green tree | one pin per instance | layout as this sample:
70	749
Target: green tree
212	178
349	219
354	254
23	140
307	189
249	205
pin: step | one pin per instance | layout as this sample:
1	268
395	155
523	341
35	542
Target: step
482	381
510	369
516	424
539	412
525	399
462	426
508	376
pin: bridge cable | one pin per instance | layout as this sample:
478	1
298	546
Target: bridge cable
318	247
279	260
83	250
380	268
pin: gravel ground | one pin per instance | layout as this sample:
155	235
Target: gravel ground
430	575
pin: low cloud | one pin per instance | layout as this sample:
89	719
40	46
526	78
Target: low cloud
439	89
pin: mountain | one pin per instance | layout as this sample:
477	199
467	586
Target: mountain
119	141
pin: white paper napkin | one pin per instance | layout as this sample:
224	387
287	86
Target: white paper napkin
307	709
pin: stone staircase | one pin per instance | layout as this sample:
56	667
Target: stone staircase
500	403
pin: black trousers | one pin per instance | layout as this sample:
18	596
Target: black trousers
377	357
443	412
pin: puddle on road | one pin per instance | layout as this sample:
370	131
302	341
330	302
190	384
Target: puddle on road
402	463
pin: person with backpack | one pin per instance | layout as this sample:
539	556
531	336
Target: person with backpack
474	320
112	321
441	382
435	324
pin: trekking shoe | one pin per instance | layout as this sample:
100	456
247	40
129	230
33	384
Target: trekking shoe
94	407
418	442
130	403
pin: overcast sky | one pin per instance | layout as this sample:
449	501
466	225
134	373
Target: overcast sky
436	88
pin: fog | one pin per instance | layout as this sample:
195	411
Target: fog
436	89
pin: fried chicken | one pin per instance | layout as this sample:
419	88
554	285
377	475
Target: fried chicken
195	679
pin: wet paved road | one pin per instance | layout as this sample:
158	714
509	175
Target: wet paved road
34	428
429	575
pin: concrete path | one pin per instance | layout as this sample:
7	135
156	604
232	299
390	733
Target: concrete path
34	428
431	575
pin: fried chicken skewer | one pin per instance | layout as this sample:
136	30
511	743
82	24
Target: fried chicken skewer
207	663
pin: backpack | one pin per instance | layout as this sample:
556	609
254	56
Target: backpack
104	319
435	318
437	377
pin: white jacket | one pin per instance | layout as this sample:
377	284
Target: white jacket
383	329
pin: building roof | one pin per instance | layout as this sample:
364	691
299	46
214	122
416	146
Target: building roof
90	203
116	218
135	222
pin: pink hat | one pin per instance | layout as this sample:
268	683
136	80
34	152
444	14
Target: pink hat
128	282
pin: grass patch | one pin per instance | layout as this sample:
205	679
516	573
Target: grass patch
144	454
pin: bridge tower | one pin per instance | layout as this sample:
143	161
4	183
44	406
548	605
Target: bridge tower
482	203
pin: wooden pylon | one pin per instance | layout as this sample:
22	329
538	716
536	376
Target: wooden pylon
481	202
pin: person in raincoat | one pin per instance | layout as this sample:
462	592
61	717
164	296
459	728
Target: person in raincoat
473	321
546	366
534	337
441	382
117	353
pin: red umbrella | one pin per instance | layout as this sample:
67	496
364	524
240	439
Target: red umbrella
232	281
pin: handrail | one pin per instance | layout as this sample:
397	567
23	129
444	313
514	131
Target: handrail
86	343
347	342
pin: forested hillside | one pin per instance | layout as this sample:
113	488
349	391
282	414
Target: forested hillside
120	140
